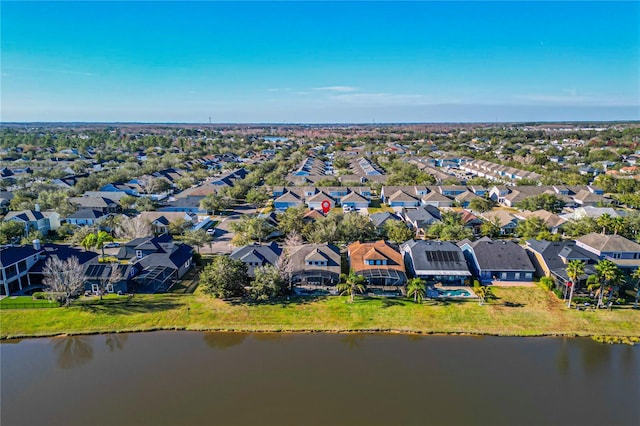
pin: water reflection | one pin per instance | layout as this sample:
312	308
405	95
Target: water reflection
353	340
222	341
72	351
116	341
562	358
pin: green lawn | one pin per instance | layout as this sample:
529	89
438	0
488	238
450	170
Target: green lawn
514	311
24	302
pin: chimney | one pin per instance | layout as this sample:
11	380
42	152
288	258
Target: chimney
37	208
36	244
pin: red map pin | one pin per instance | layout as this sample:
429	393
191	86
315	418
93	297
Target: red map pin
326	206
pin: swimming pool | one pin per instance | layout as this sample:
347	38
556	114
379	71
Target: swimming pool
454	293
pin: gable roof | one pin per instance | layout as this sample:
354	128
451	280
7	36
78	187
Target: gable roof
608	243
499	255
24	215
436	257
256	253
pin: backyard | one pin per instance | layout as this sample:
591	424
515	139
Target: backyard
513	311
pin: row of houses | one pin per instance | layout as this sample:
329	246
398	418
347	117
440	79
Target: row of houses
148	264
498	172
386	266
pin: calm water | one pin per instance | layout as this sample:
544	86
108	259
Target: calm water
189	378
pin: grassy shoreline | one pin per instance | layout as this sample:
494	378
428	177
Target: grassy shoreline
514	312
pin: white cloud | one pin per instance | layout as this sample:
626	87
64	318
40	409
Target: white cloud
338	89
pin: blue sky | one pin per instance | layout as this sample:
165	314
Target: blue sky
319	62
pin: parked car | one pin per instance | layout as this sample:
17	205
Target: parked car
111	245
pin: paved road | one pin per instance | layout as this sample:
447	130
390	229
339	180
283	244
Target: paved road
222	238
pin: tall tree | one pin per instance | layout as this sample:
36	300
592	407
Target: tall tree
11	231
63	279
134	227
197	238
575	269
607	272
291	220
224	277
215	203
636	276
267	284
397	231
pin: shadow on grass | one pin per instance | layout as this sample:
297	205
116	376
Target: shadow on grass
389	302
447	302
513	304
281	301
124	306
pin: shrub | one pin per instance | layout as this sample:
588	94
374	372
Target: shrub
546	283
39	295
197	258
558	293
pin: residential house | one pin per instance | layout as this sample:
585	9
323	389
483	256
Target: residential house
286	200
497	260
316	201
435	261
15	263
101	204
380	219
160	260
551	258
313	265
401	199
354	201
257	255
379	262
553	222
22	267
31	219
421	218
505	220
86	217
436	199
616	248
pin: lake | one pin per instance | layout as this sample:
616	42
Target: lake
193	378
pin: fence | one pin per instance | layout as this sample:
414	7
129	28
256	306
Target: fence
29	305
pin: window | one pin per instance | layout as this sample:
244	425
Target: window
517	275
617	255
95	288
528	275
186	265
503	276
139	254
109	288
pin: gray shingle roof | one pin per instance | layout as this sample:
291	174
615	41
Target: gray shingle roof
500	256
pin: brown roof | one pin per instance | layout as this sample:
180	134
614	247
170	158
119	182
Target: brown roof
358	252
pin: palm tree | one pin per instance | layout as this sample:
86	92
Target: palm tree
575	269
101	238
353	283
89	241
482	291
416	288
607	272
